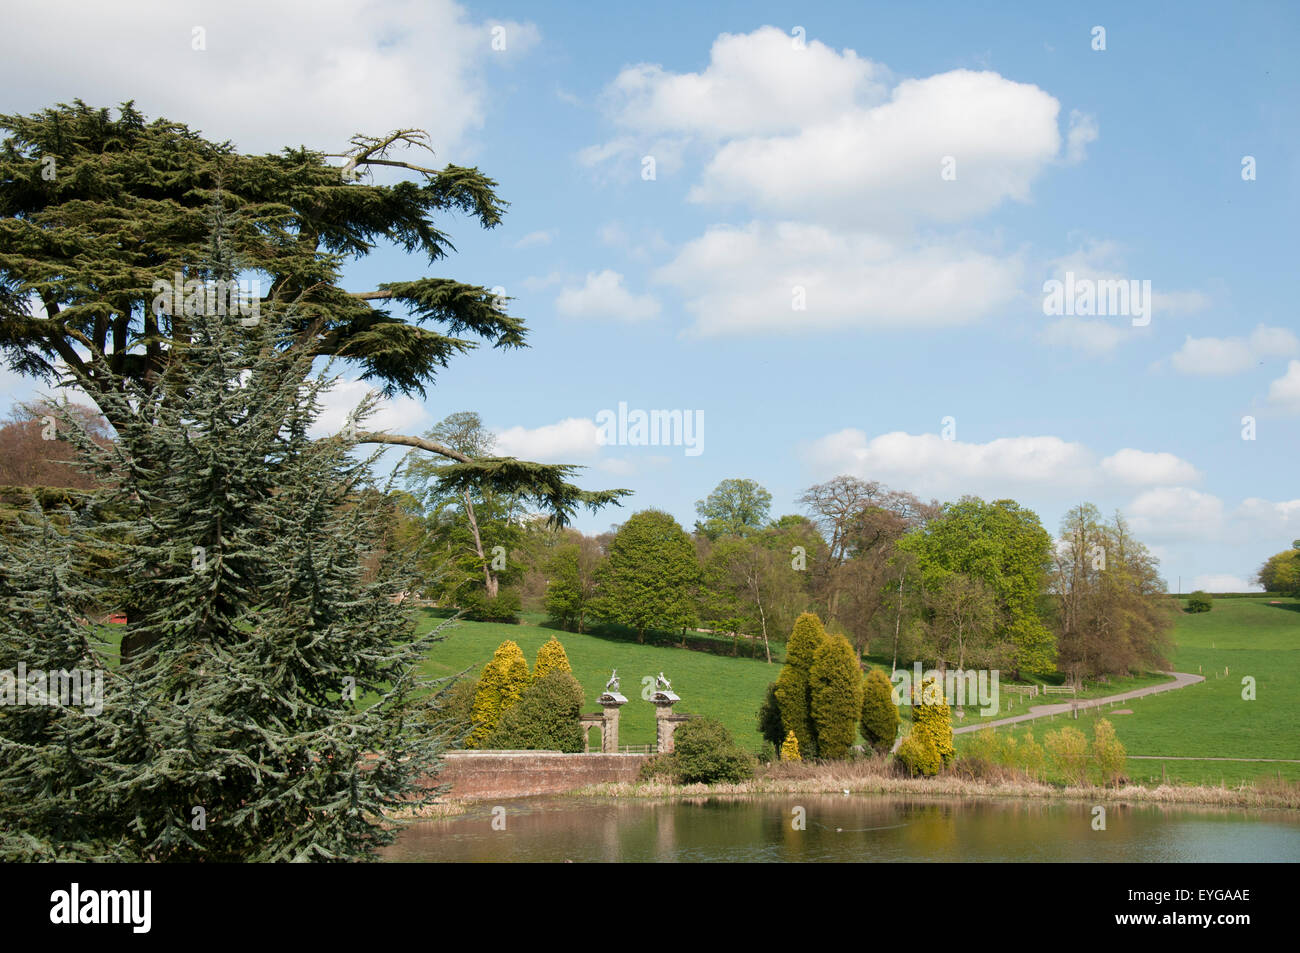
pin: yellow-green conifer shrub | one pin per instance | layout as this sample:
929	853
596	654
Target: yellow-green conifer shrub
932	718
790	748
879	722
836	680
918	755
794	686
1068	749
796	715
807	636
502	684
551	657
1108	754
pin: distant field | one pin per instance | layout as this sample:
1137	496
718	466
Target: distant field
1252	637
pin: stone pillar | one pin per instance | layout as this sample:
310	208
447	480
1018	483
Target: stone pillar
663	727
665	723
609	731
610	702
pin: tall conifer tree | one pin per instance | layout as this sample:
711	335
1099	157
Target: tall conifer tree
262	588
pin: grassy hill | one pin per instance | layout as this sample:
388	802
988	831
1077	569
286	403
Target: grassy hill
729	689
1256	637
1238	637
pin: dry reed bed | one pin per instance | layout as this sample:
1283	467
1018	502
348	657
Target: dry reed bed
875	777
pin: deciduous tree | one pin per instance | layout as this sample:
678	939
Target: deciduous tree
734	508
650	576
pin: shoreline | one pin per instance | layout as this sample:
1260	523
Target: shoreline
1173	795
1190	795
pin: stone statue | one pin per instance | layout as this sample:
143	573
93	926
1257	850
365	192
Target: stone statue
612	684
663	683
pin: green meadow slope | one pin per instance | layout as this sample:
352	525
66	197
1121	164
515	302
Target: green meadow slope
1259	638
1238	638
729	689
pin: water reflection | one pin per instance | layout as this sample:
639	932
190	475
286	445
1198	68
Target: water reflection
848	828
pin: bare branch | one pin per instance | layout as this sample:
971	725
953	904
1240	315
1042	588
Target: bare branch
373	150
400	165
419	443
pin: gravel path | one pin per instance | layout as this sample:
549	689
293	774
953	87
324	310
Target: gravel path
1181	680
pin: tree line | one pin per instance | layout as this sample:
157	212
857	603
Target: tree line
967	583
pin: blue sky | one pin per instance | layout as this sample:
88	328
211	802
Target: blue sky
912	175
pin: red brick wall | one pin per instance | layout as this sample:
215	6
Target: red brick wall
485	774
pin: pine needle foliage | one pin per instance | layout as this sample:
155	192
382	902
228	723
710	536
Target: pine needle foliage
264	615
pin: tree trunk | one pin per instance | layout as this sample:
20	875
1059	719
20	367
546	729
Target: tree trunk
898	621
489	577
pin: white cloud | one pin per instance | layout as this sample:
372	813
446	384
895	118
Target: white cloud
617	466
1092	336
755	83
394	415
1222	356
739	279
612	234
1173	513
1144	468
269	76
926	463
882	164
572	438
604	296
1269	515
536	238
1223	582
801	131
1285	391
839	163
1102	261
929	464
1083	130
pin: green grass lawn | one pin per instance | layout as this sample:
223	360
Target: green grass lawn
729	689
1208	720
1211	720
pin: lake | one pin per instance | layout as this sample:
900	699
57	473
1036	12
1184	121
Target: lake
846	828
